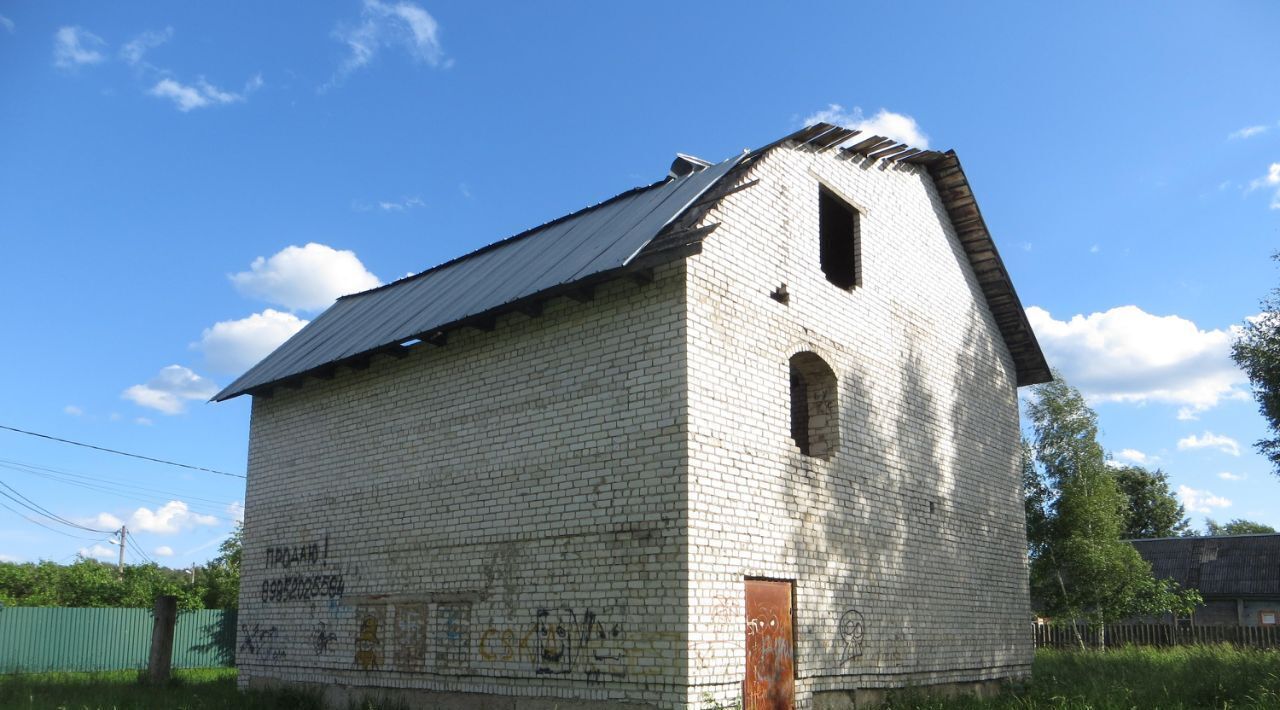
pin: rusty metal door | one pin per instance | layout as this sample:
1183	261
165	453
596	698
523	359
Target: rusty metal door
770	680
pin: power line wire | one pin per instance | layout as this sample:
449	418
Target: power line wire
38	509
121	453
137	549
46	527
152	495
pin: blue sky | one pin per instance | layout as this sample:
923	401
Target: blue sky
183	184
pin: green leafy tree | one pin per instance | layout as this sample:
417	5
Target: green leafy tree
1083	568
1151	509
1236	527
1257	352
219	581
1037	499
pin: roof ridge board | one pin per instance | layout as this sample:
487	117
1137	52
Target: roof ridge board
512	238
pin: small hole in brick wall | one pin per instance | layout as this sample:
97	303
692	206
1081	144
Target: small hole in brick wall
931	507
780	295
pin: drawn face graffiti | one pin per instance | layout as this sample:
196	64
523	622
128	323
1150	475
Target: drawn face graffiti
368	645
851	632
555	640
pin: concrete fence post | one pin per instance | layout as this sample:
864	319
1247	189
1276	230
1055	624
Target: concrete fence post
161	657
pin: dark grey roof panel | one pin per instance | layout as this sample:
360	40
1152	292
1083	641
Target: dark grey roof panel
1226	566
572	248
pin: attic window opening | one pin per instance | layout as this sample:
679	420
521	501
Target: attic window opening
814	410
838	229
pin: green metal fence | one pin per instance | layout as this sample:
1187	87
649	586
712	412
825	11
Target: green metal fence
51	639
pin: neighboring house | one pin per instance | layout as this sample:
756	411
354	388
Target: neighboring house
750	432
1238	575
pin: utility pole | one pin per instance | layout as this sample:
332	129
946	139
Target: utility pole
120	566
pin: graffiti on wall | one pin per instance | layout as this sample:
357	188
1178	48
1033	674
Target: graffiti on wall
303	572
260	641
410	642
563	641
849	635
323	640
453	636
369	638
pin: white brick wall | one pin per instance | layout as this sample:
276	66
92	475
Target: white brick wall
567	507
405	524
916	521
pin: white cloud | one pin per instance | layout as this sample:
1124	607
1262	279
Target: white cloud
1094	249
10	558
187	97
1269	181
898	126
134	50
236	511
1247	132
173	517
402	24
1129	355
170	389
1133	456
305	278
143	421
401	206
164	551
99	551
1197	501
1225	444
105	520
73	410
7	24
74	46
1228	476
234	346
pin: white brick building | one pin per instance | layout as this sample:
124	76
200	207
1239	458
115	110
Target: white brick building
551	473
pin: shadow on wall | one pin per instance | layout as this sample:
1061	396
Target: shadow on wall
921	574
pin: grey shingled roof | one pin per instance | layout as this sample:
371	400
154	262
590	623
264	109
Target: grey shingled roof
593	241
1225	566
601	240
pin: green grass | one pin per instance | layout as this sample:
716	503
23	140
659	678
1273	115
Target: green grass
203	689
1185	678
1181	678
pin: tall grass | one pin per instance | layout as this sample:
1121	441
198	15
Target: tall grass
202	689
1179	678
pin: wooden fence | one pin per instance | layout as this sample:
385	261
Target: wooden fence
59	639
1048	636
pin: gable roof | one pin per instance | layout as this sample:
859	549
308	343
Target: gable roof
599	242
1238	566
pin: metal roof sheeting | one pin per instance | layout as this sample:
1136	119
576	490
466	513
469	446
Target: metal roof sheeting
1224	566
593	241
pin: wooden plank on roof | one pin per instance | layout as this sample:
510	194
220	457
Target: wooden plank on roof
888	151
863	145
924	157
835	137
